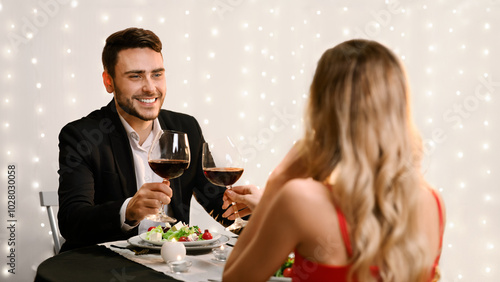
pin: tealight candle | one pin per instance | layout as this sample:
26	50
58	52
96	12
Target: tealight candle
171	251
220	253
179	265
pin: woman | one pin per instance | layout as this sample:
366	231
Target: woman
349	199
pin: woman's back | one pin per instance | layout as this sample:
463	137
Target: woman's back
324	246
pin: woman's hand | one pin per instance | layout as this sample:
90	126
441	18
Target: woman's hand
246	198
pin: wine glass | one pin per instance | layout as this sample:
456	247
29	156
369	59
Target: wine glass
223	165
168	157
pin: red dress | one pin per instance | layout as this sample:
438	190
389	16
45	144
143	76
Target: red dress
305	270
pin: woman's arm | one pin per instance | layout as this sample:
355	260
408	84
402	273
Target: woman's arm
289	168
271	235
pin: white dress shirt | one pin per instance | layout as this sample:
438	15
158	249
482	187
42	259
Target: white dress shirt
143	173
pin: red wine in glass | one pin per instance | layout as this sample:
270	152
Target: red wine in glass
223	176
168	157
223	165
169	169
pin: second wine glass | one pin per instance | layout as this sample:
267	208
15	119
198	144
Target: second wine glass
168	157
223	165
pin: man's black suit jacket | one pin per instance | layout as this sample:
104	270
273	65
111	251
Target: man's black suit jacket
96	175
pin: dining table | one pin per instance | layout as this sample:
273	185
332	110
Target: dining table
132	260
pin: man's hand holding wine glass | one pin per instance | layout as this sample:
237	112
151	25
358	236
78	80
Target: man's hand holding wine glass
168	157
148	200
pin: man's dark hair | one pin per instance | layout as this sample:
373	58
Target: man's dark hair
126	39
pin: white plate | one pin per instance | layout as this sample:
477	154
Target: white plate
280	279
215	236
136	241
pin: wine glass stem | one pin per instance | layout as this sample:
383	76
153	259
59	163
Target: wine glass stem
235	209
162	208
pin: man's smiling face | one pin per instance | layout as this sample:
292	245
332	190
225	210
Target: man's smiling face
139	84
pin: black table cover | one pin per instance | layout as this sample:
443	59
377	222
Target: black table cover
95	263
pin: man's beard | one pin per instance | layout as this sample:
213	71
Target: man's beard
129	109
128	106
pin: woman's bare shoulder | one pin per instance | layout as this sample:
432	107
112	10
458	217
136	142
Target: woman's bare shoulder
306	188
308	196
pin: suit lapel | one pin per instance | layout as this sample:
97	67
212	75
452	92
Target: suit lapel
124	162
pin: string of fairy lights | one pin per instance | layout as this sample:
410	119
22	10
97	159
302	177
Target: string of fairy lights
244	67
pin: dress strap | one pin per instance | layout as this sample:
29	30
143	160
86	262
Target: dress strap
441	223
343	226
345	232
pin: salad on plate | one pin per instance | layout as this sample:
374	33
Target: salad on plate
179	233
286	268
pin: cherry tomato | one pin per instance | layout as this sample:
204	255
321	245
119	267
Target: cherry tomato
150	228
206	235
287	272
183	239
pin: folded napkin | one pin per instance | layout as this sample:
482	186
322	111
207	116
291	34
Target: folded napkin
137	250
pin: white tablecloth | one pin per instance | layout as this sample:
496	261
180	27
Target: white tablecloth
204	268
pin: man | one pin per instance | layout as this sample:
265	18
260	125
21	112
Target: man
106	187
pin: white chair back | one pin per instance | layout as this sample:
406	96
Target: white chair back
49	199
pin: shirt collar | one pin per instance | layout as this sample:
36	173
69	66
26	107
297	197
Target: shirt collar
132	134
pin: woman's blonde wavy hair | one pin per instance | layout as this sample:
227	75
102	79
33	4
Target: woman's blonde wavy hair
358	122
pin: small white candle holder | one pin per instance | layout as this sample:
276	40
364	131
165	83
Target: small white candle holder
220	253
171	251
179	266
